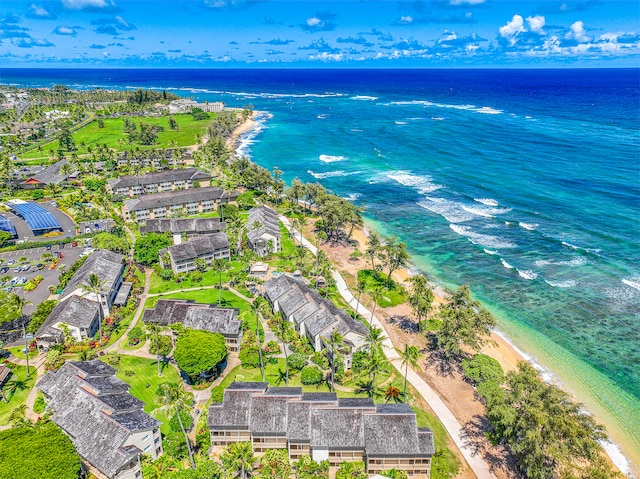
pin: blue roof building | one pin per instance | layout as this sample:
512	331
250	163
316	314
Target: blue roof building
39	220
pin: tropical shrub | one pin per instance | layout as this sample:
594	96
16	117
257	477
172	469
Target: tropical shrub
297	361
311	375
320	358
272	347
199	352
174	445
165	345
481	368
187	421
136	335
249	356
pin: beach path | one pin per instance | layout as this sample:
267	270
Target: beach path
477	464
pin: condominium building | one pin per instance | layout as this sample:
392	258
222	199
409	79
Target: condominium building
166	180
183	256
383	436
168	204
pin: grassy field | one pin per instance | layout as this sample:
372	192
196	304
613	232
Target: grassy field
393	296
16	389
17	351
158	285
91	135
145	381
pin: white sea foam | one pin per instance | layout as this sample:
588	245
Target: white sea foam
505	264
527	274
400	122
364	98
488	241
332	174
411	102
634	283
561	284
355	130
421	183
437	118
486	201
572	262
491	252
486	212
322	116
330	159
588	250
621	462
352	196
489	111
449	210
528	226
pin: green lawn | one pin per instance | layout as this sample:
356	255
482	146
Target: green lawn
16	389
445	463
17	352
145	381
392	296
206	296
92	135
158	285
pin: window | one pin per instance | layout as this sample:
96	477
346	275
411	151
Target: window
147	448
146	438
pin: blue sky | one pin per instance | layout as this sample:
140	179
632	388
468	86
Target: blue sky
364	33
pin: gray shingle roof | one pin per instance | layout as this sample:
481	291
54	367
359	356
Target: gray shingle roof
268	415
75	311
233	412
284	391
262	220
179	197
337	428
392	434
106	264
205	317
183	225
86	402
198	247
51	174
180	174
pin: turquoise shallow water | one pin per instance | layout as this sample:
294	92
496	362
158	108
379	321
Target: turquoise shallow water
523	184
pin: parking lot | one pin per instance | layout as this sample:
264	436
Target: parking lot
34	256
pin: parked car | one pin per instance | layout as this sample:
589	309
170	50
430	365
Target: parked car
61	246
4	270
75	243
26	267
17	269
48	246
40	266
11	261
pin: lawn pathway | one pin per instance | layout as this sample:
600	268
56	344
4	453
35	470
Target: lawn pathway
143	297
477	464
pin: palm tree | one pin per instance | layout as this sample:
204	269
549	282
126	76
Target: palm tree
392	392
360	288
281	328
376	365
94	285
374	339
173	400
409	355
155	342
17	304
335	341
373	248
238	457
254	309
376	294
86	355
421	298
220	266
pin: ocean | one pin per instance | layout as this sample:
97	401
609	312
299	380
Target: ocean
523	184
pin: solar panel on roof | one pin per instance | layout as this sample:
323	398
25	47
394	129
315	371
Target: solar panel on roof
7	225
36	216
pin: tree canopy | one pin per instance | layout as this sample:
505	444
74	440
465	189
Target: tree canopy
109	241
465	323
146	248
40	451
199	351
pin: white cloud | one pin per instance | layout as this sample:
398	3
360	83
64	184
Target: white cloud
578	32
466	2
511	30
90	4
406	19
313	21
324	56
38	11
536	24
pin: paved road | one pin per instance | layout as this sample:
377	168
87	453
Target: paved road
477	464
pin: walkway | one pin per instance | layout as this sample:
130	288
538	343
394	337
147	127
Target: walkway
477	464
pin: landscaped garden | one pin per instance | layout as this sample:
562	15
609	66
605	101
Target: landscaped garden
16	389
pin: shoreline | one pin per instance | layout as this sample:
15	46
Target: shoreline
507	353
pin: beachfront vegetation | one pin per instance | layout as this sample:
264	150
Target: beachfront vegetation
549	434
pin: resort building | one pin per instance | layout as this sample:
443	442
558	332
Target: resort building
49	175
183	106
176	203
205	317
182	257
166	180
106	424
77	314
383	436
314	316
263	230
184	226
156	159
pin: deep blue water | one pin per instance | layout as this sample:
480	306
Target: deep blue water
524	184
